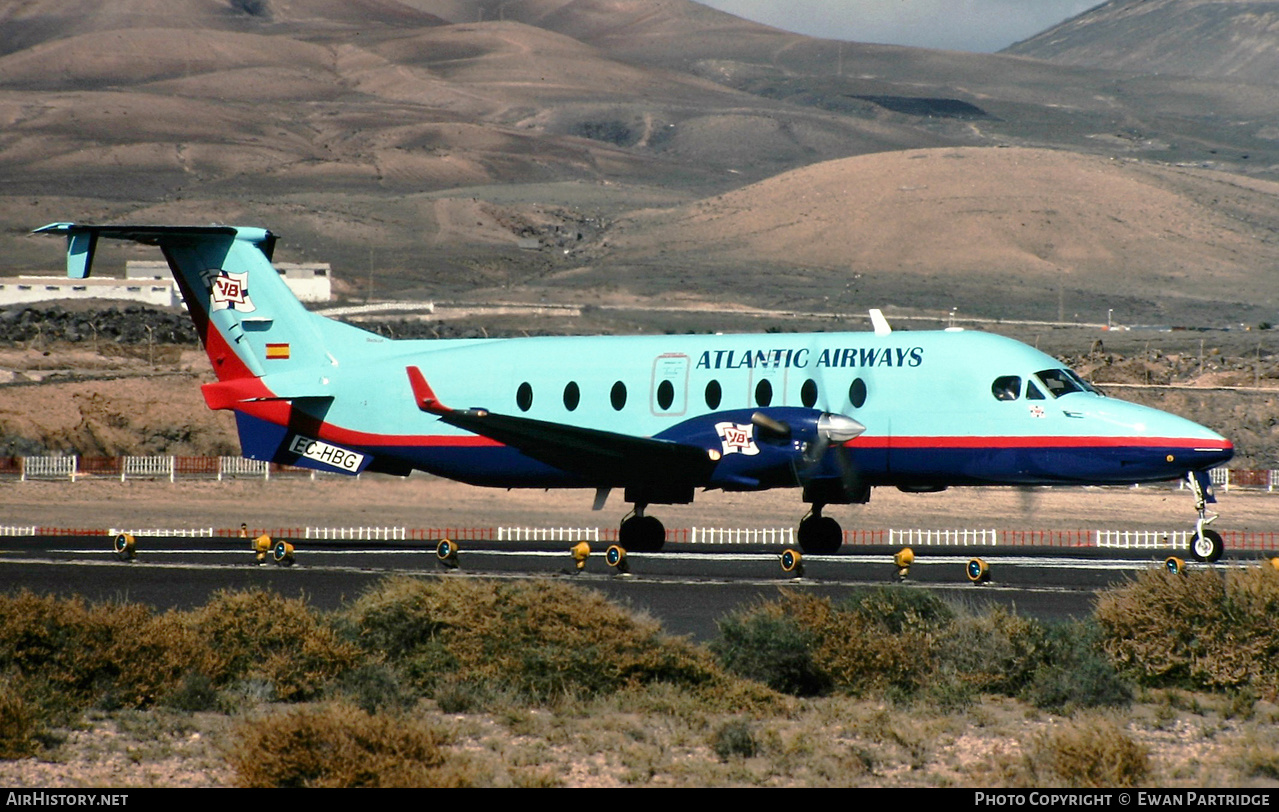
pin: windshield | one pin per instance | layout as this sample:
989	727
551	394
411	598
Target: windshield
1058	382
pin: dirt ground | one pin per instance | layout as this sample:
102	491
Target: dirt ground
427	502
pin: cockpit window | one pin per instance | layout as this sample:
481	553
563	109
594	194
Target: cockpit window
1087	386
1032	391
1060	381
1007	387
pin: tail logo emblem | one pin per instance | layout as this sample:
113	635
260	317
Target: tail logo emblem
228	291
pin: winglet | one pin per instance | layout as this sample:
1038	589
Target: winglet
422	393
82	244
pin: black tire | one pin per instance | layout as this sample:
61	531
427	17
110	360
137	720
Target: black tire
641	534
820	535
1207	548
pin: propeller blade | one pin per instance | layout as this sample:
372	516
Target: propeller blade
771	425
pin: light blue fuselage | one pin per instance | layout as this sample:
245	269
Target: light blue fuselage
926	399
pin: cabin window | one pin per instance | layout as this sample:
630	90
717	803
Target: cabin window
1007	387
618	396
665	395
572	396
714	394
808	393
857	393
763	393
524	397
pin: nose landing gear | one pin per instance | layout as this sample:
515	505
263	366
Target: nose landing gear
1206	545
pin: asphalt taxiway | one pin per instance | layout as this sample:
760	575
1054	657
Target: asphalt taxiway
686	587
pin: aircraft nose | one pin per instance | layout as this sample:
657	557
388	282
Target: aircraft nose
1191	445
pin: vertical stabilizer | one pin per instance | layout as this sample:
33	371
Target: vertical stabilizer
249	321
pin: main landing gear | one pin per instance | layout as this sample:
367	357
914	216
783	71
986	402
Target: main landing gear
1206	545
640	533
818	534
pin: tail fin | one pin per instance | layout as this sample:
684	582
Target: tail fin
249	321
265	347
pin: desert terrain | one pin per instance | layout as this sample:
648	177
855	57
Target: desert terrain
660	151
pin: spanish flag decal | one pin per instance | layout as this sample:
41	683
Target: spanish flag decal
277	351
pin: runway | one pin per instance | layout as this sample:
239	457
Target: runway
686	587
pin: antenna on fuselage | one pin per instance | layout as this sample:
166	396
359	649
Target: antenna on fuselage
880	323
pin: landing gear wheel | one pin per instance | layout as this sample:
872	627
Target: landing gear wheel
820	535
1206	546
641	534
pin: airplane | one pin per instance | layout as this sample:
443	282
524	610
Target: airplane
659	417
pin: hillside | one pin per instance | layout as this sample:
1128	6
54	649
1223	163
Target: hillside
1209	39
1048	234
415	144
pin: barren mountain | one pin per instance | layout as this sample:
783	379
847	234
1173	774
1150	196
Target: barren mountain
417	144
1211	39
1046	234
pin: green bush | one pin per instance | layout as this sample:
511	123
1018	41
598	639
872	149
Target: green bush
767	645
1075	672
734	739
883	639
995	651
340	746
1204	629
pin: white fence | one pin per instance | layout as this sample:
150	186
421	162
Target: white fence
1143	539
49	468
148	468
239	466
741	535
357	533
961	538
160	532
548	534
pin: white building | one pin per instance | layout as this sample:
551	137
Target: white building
28	289
149	282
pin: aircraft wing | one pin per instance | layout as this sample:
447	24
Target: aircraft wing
601	457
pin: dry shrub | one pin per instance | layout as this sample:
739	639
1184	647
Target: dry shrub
112	654
1203	629
341	746
995	651
19	724
1089	753
884	639
541	639
260	634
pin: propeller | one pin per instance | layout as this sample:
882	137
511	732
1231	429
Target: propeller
834	427
831	428
769	425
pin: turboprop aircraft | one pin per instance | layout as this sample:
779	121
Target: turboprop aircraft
659	417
